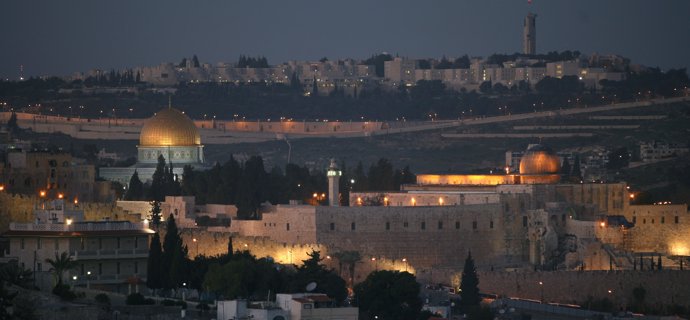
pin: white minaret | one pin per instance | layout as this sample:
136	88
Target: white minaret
333	184
529	34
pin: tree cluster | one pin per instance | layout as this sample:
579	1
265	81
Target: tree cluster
388	295
251	62
462	62
112	79
248	185
381	176
378	61
241	275
164	182
167	265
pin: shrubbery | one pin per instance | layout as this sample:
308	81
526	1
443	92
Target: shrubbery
170	303
103	299
138	299
64	292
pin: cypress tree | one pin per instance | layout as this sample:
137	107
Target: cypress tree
230	248
566	168
576	173
469	287
157	189
136	188
294	82
153	268
173	255
12	123
155	213
314	88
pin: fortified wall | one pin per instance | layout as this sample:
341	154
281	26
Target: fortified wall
662	287
659	228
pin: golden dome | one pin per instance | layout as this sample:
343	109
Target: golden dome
540	160
169	127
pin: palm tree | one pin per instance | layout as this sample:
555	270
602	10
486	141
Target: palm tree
62	263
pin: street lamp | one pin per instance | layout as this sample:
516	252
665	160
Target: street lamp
541	286
197	245
88	279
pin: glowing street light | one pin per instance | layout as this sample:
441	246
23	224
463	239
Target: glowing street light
541	286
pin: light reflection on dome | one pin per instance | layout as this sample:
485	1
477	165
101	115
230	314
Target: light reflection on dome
539	160
169	127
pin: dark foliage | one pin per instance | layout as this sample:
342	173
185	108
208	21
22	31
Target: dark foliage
469	285
154	279
137	299
388	295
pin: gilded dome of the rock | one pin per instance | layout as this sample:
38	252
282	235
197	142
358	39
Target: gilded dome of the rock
169	127
540	160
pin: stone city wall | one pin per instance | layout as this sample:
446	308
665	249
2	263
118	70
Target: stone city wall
425	236
607	198
662	287
660	228
289	224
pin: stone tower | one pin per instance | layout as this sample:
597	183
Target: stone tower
529	34
333	184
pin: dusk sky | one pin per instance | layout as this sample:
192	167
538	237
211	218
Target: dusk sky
53	37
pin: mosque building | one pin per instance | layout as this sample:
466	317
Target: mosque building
169	133
539	165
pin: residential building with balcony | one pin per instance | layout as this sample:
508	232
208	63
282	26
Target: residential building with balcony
110	255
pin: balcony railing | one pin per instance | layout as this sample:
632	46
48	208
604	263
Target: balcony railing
110	254
81	226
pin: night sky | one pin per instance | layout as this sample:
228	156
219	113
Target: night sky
52	37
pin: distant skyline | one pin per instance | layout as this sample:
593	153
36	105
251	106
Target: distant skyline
59	38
